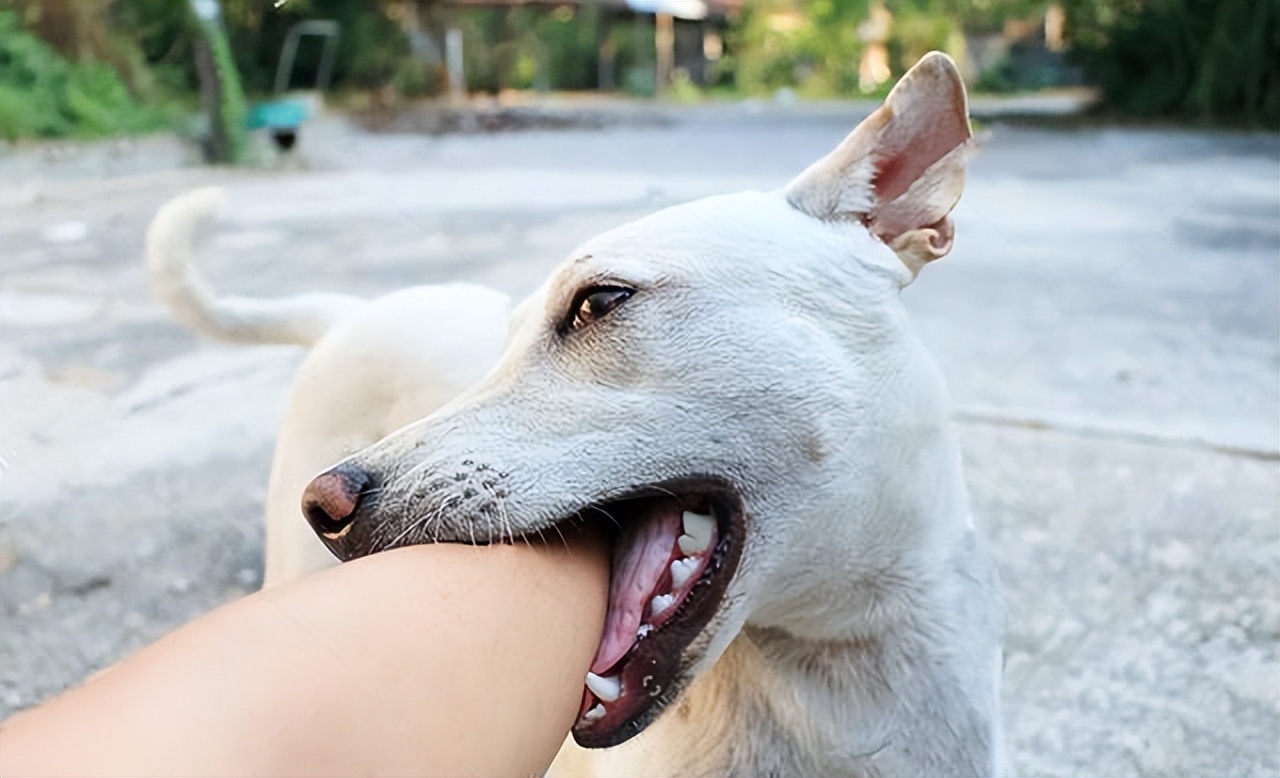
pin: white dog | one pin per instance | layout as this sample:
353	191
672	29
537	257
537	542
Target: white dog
734	386
374	365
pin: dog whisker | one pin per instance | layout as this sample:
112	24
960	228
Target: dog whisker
667	492
505	521
416	524
563	539
617	524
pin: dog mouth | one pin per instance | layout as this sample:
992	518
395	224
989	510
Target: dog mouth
675	548
674	555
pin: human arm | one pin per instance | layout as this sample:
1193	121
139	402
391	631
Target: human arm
446	659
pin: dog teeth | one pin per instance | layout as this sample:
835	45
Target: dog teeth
682	570
698	525
692	546
595	714
644	630
660	603
697	533
607	688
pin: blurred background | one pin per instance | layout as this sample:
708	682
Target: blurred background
85	68
1108	321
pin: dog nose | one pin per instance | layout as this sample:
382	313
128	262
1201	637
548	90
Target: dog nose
331	499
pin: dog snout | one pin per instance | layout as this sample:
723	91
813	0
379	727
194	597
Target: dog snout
331	500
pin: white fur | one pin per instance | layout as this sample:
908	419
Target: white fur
374	365
863	613
766	343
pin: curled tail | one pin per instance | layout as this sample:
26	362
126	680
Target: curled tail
301	319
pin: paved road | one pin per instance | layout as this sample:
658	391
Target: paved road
1108	322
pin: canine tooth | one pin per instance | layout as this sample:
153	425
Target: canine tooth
595	714
699	526
692	546
681	570
661	603
607	688
644	630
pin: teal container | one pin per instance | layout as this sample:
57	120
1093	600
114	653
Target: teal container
277	114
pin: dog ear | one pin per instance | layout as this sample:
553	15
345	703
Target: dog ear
901	171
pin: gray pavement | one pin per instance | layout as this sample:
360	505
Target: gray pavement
1108	322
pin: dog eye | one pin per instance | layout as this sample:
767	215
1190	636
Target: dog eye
596	302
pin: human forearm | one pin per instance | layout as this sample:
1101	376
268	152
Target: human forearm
443	659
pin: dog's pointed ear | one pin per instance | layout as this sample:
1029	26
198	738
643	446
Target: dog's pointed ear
901	171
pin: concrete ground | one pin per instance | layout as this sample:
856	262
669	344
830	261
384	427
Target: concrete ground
1108	322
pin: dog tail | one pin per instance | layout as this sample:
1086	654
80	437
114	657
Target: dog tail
300	320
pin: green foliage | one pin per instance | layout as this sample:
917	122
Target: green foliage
683	90
982	16
161	33
635	42
1210	60
1213	60
568	36
372	49
1203	59
815	47
45	95
530	47
1006	77
918	31
491	56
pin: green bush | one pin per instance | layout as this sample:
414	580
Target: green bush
162	33
1210	60
814	47
46	96
525	48
918	32
634	42
372	49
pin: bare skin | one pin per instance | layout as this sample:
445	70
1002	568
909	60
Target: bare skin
429	660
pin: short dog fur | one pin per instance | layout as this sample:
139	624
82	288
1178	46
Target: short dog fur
745	360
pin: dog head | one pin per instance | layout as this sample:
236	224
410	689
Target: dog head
731	386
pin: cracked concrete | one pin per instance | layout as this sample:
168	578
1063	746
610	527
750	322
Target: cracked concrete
1108	323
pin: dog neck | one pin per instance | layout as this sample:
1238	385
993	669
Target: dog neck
921	699
872	524
880	667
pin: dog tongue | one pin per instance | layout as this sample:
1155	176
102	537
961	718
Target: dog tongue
640	557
